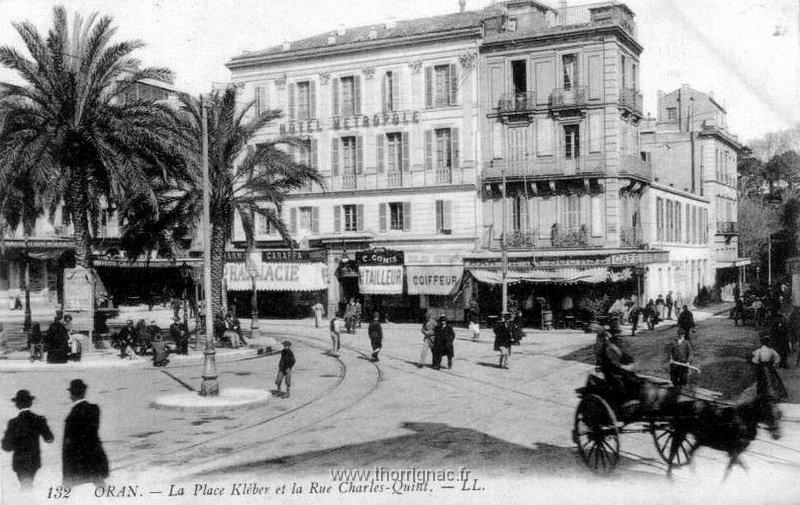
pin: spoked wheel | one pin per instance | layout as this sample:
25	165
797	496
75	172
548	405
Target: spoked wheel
596	434
675	443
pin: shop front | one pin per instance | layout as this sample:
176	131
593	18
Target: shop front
286	283
572	287
437	281
381	280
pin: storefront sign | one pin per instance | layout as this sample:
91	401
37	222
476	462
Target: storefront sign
300	127
293	255
379	257
582	261
433	280
366	121
276	276
380	279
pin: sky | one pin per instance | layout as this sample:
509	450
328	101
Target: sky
747	52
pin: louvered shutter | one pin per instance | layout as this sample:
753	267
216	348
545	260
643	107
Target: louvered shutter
335	95
428	86
357	94
382	217
314	219
312	100
335	156
455	147
428	149
292	92
447	218
453	73
359	155
384	95
337	218
406	152
379	153
406	216
314	154
293	221
360	217
397	104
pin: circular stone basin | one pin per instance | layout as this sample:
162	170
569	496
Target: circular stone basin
228	399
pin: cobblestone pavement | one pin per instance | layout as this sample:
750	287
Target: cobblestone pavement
509	428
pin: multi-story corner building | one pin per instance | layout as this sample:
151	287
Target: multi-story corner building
390	113
694	157
563	179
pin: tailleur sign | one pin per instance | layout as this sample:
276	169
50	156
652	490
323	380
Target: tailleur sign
380	272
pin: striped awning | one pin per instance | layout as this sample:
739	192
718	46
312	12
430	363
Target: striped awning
554	276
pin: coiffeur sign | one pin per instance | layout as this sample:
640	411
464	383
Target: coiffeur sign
380	272
433	280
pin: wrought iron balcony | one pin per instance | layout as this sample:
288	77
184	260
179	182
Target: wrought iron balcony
349	181
569	237
631	99
545	167
727	228
631	236
517	102
394	179
565	98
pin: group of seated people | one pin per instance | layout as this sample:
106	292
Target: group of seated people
143	339
228	330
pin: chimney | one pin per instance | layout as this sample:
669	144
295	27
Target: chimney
341	31
373	33
462	5
331	39
286	45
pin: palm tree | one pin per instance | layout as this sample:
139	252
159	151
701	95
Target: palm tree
247	179
71	125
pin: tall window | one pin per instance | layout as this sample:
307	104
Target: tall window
659	219
624	65
304	218
571	213
570	65
350	217
390	92
444	216
396	216
572	142
348	96
672	114
394	143
303	100
443	149
519	214
442	85
349	155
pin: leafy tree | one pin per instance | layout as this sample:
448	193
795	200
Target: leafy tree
70	128
247	180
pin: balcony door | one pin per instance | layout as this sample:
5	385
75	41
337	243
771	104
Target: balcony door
572	148
517	152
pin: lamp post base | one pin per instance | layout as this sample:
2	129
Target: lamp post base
210	386
254	321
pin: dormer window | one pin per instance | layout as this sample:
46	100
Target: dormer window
511	25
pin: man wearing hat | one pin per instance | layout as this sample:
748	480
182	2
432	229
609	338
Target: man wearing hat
503	335
679	353
22	438
443	337
375	333
82	457
285	368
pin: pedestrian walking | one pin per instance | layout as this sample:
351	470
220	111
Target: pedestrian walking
35	342
686	322
22	439
318	312
474	326
769	386
350	316
337	325
82	458
375	332
445	333
57	340
427	339
661	307
357	314
679	353
503	334
780	335
669	302
285	369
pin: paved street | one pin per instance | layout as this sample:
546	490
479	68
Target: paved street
509	428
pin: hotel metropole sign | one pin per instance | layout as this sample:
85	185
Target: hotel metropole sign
354	121
621	259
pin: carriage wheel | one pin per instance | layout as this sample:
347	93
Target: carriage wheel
596	434
675	443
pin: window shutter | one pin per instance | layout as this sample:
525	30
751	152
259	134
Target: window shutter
396	103
293	152
545	81
357	94
312	100
447	215
428	149
379	153
359	155
293	221
439	212
335	95
337	218
544	137
360	217
314	219
406	216
428	86
406	153
454	147
453	84
291	100
382	217
314	154
596	77
335	156
384	95
262	99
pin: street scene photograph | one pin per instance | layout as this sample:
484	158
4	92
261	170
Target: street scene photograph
399	251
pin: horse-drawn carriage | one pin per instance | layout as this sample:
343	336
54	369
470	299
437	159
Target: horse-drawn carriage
679	421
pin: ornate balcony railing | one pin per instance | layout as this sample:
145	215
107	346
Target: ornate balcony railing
394	179
631	236
517	102
575	96
605	13
349	181
569	237
544	167
727	227
631	99
519	239
444	175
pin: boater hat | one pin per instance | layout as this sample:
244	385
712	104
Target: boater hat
23	396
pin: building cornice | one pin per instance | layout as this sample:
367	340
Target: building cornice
413	190
549	38
684	194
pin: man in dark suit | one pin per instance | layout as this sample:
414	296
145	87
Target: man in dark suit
82	458
22	438
57	340
503	336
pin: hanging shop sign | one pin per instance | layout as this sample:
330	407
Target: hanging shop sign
433	280
278	255
379	257
276	276
380	279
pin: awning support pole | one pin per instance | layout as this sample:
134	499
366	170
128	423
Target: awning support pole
504	245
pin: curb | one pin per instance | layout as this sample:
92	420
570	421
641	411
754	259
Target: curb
215	407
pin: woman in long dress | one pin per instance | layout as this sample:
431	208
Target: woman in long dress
769	386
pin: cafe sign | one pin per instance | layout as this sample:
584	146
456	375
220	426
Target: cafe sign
625	259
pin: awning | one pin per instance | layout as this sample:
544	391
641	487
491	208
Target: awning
277	276
556	276
380	279
433	279
740	262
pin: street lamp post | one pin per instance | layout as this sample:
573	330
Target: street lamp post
209	386
27	324
504	245
186	271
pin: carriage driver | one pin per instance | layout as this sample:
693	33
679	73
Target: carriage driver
615	364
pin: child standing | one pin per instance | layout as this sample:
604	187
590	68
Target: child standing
375	332
285	368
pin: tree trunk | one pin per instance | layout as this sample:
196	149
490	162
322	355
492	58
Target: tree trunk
80	224
217	266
